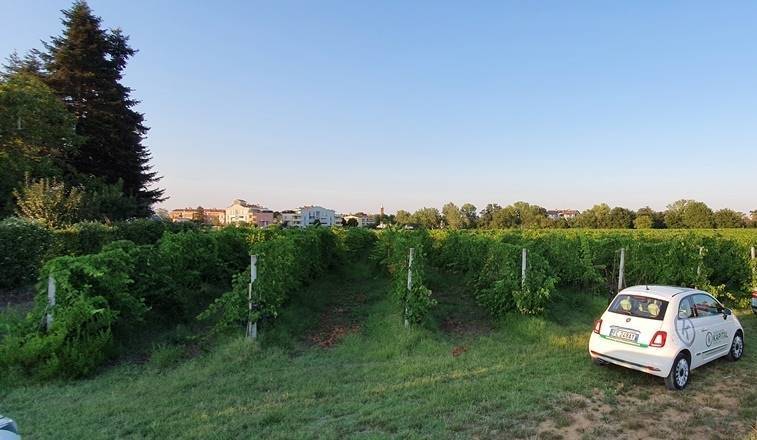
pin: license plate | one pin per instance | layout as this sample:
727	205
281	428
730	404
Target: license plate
626	335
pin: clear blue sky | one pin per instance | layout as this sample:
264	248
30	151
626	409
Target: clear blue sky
410	104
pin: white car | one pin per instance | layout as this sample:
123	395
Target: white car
8	429
665	331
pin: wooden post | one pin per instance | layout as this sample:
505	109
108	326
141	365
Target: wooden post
523	259
50	302
621	269
409	281
252	327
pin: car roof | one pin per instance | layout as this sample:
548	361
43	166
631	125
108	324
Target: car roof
662	292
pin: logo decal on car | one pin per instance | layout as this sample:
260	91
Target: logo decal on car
685	331
718	336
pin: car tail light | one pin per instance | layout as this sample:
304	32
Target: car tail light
658	340
754	294
597	326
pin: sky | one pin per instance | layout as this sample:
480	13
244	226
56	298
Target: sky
351	105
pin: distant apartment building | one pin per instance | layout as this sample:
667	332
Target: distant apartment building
363	220
242	212
567	214
307	216
209	215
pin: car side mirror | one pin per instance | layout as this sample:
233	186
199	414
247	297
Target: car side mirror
726	313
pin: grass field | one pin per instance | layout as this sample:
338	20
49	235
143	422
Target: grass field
339	364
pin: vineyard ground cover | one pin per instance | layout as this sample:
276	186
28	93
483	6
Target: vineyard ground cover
527	377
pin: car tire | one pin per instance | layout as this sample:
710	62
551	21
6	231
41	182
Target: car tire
680	373
737	348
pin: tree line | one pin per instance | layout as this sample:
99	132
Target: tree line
71	142
682	214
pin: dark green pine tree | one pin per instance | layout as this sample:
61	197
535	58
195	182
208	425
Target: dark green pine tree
84	66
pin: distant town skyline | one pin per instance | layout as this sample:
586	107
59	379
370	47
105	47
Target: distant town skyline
354	105
375	210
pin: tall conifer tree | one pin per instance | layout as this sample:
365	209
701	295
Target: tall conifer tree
84	66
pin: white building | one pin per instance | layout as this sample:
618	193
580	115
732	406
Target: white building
307	216
363	220
567	214
243	212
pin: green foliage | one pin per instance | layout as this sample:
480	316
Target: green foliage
49	201
140	231
286	260
728	218
36	135
428	218
23	245
357	242
85	65
94	301
81	239
392	252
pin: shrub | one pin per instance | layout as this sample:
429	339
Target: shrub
23	245
81	239
94	305
140	231
285	261
500	287
392	251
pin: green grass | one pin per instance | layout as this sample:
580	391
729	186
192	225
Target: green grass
381	381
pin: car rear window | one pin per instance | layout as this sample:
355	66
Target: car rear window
639	306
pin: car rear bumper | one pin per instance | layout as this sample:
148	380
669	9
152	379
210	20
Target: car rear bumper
652	360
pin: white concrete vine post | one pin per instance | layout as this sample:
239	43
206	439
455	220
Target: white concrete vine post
50	302
252	327
409	282
523	260
621	269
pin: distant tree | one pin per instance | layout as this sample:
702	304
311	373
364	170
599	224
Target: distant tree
689	214
49	201
199	215
753	220
487	215
698	215
403	218
647	218
728	218
469	213
453	216
520	215
428	218
621	218
596	217
352	223
85	66
504	218
316	223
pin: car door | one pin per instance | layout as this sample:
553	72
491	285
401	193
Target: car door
712	332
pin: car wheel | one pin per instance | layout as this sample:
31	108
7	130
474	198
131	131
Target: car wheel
679	374
737	348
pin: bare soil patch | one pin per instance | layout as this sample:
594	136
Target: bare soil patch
710	408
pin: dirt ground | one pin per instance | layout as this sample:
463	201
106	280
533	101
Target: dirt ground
712	407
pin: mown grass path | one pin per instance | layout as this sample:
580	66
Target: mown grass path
516	377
